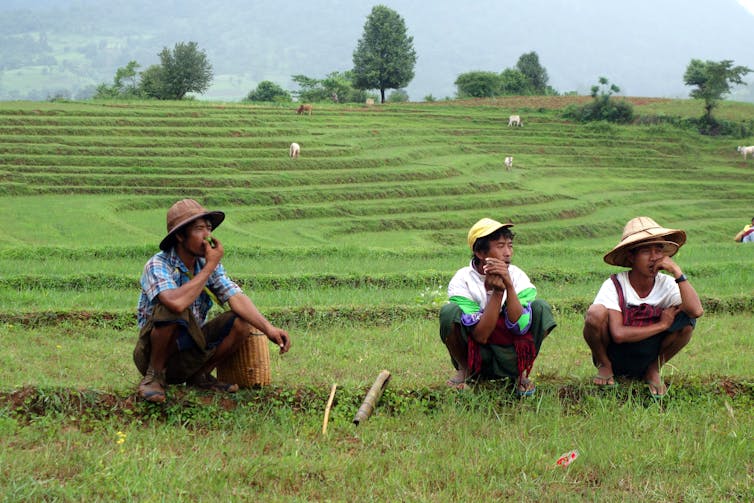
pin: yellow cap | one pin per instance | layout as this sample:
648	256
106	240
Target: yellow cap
484	227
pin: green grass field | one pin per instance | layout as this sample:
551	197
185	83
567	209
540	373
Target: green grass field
350	248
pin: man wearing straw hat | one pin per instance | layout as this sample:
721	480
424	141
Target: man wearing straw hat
493	325
179	285
641	317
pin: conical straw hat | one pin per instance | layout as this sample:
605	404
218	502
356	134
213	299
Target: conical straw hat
641	231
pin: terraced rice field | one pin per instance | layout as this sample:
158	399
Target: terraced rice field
370	221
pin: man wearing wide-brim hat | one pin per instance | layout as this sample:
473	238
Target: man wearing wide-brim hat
179	286
493	324
642	317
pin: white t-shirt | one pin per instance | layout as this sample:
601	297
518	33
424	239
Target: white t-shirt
665	293
467	282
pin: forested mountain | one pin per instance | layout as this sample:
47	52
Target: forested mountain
67	47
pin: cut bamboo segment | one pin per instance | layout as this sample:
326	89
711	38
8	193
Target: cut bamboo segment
367	407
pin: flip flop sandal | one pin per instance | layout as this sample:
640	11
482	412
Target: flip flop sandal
457	384
526	392
605	383
653	390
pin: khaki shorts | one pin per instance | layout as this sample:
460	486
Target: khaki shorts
190	358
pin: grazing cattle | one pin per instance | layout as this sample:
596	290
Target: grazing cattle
508	163
306	108
515	120
746	151
295	150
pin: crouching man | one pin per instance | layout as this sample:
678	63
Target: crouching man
493	325
641	318
179	286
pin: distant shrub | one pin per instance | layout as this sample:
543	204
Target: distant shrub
620	112
713	127
398	96
602	108
478	84
269	91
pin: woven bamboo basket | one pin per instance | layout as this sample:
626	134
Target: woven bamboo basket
250	366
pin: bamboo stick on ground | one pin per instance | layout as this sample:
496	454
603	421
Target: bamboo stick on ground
372	398
327	409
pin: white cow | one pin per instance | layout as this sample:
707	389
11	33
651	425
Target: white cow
515	120
746	151
508	163
295	150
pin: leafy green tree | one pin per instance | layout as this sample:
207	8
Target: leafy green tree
310	89
384	57
152	83
712	79
536	75
268	91
185	69
513	82
477	85
336	86
127	79
125	84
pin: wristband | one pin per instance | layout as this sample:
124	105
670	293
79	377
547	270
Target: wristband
681	278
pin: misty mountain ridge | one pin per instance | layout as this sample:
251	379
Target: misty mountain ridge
47	47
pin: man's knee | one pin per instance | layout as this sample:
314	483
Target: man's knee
683	336
595	320
238	332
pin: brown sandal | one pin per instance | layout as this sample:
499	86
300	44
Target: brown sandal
209	382
152	386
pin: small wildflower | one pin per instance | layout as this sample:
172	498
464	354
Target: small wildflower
121	438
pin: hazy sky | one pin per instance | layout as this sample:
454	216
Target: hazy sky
643	46
748	5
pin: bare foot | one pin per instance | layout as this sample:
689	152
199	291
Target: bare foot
655	383
604	376
603	380
657	389
458	381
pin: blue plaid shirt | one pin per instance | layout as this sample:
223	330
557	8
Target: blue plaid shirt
166	271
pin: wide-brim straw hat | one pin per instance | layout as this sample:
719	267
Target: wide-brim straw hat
484	227
641	231
184	212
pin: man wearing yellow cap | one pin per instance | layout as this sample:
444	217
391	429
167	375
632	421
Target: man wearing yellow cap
179	286
493	325
641	317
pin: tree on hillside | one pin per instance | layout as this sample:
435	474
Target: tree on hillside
513	82
477	85
384	57
185	69
268	91
712	79
125	83
153	82
536	75
336	86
